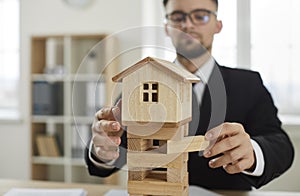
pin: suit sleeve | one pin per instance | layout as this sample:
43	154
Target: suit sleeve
105	172
265	128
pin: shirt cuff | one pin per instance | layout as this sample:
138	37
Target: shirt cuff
260	161
106	165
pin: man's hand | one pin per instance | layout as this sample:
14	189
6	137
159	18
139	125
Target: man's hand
232	143
106	133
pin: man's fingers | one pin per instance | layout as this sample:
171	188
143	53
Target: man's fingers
222	146
104	113
223	130
105	154
110	113
237	166
106	126
227	158
102	141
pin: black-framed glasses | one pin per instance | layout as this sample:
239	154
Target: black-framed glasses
197	17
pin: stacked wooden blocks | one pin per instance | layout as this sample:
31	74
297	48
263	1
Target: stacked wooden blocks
156	108
143	157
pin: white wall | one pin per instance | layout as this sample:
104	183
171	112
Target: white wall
40	17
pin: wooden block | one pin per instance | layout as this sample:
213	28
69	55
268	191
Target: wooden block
179	135
162	146
157	175
149	159
139	175
152	159
186	129
138	195
135	144
156	124
188	144
177	174
157	133
155	187
179	161
185	192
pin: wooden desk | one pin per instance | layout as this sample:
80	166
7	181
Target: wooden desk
98	190
92	189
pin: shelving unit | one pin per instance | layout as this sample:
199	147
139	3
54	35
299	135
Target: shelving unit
70	80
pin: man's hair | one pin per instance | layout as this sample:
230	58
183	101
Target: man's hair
215	1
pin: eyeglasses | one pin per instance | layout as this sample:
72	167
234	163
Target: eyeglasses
197	17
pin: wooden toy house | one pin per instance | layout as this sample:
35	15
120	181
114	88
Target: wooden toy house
157	106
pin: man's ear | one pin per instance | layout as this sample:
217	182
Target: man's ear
219	26
166	29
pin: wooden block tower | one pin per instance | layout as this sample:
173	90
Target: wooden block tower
156	108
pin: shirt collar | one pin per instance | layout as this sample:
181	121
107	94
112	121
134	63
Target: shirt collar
204	71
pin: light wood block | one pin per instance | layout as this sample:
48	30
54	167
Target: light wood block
149	159
186	129
138	174
155	175
188	144
177	174
136	144
155	160
159	133
158	106
156	187
179	161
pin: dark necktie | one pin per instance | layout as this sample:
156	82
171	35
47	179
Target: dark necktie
193	125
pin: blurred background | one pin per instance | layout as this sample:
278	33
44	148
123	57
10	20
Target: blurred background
57	58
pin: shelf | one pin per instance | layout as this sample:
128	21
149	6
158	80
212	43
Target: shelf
66	91
48	77
82	119
62	119
86	78
58	161
49	160
77	162
49	119
67	78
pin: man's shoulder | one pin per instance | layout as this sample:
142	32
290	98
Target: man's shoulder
239	73
240	79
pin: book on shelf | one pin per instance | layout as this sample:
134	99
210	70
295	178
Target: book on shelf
87	97
54	56
95	97
47	146
81	134
47	98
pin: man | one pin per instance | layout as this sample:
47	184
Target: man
248	147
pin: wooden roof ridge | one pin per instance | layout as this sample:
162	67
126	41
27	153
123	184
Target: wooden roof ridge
164	65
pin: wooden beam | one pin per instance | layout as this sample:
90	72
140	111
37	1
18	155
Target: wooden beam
187	144
135	144
157	133
138	175
149	159
157	187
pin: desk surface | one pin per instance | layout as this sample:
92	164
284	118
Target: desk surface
100	189
93	189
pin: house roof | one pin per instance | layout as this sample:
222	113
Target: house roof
166	66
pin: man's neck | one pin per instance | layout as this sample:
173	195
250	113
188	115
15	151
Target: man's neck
192	65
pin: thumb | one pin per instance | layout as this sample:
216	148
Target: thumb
116	111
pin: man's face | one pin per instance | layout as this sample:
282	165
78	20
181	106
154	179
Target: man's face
190	39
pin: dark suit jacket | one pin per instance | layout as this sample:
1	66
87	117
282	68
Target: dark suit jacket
233	95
